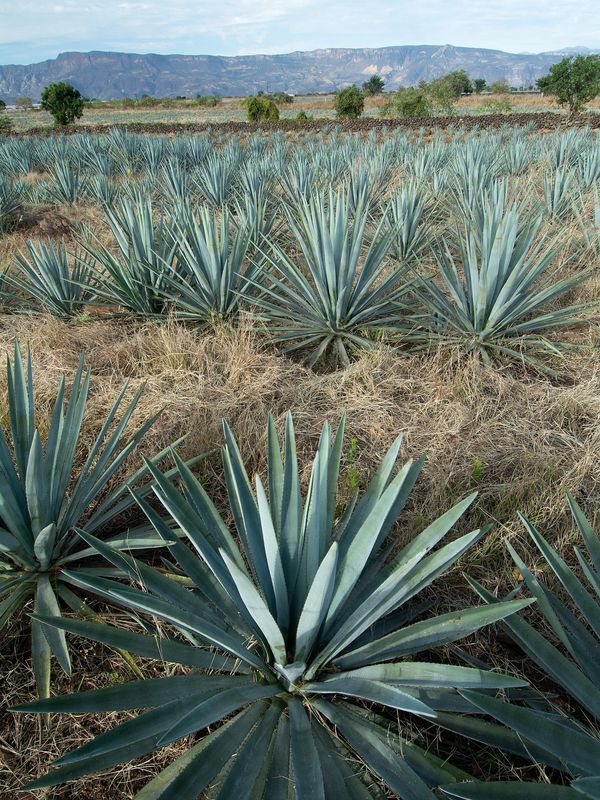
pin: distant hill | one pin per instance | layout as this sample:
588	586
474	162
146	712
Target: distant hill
108	76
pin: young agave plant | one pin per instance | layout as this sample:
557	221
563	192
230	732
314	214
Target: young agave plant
11	200
48	277
405	214
572	661
44	497
496	308
300	620
134	279
342	295
213	276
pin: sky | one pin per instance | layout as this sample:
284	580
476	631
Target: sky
34	30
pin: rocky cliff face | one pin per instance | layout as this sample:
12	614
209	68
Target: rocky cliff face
113	75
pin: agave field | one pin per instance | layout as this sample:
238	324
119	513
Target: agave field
319	610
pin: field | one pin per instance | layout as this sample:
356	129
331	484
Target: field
231	109
255	314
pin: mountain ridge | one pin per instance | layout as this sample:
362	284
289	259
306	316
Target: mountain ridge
108	75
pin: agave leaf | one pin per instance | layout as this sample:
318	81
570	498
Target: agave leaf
507	790
308	777
316	604
216	707
380	757
575	748
47	605
197	767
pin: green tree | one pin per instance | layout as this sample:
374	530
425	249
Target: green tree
261	109
574	81
349	103
374	85
407	102
459	82
479	85
500	87
64	102
2	105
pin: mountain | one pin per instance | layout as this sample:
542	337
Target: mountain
107	76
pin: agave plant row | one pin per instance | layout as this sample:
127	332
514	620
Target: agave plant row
335	242
315	653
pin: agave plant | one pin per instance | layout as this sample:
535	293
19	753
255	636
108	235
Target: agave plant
558	193
11	200
299	620
496	308
134	279
347	298
212	277
68	186
44	496
47	276
405	214
558	739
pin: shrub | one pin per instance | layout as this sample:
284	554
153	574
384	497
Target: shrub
6	124
261	109
349	103
500	87
282	98
479	84
208	100
293	625
495	105
407	102
2	105
64	102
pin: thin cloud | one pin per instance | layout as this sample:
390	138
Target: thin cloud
34	31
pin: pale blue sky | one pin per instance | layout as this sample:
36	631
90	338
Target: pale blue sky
34	30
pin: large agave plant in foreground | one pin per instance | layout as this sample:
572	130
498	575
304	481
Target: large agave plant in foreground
497	300
572	661
44	496
294	627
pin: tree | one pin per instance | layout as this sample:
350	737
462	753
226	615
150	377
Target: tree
261	109
2	105
574	81
500	87
373	86
479	85
23	103
349	103
459	82
64	102
407	102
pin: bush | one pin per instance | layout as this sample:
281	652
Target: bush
282	98
495	105
207	100
261	109
349	103
2	105
479	85
500	87
6	125
407	102
64	102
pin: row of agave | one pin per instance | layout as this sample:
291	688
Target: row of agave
313	654
328	273
97	169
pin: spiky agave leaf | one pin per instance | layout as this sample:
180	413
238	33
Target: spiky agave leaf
553	736
301	609
44	496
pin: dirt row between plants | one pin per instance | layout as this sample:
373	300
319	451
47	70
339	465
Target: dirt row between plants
545	121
